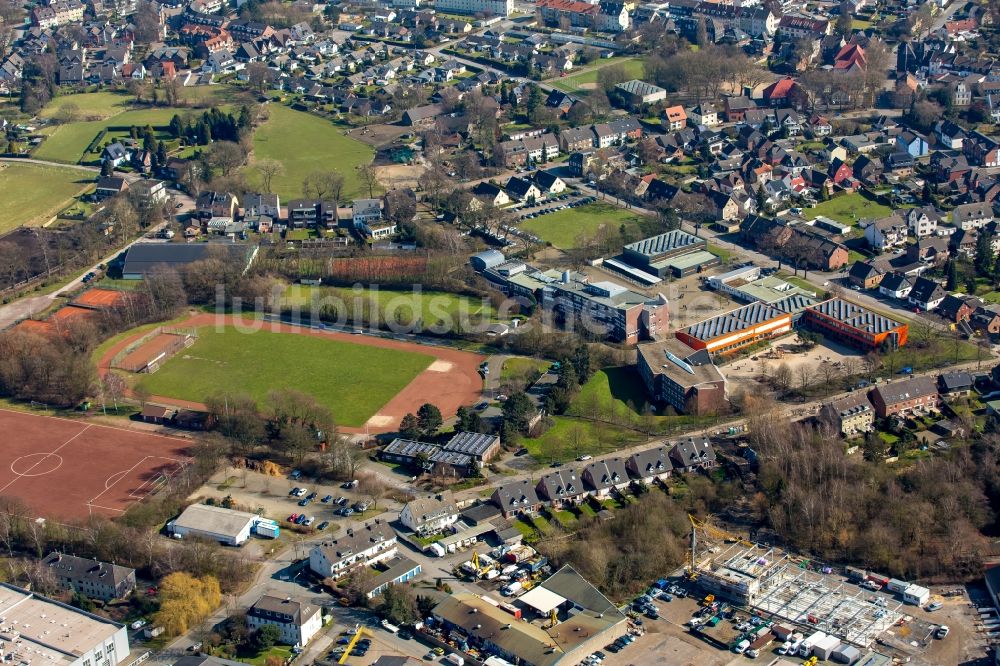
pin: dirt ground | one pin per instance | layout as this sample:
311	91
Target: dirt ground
398	176
378	135
743	373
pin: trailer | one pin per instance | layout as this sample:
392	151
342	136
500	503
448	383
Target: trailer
856	575
825	647
897	586
806	649
846	654
916	595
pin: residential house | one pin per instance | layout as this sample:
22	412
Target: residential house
262	204
606	477
561	488
549	183
956	383
297	620
853	414
981	149
887	232
895	285
706	115
865	275
116	154
675	118
922	221
357	547
211	204
516	497
904	396
932	250
429	515
926	294
868	170
522	189
972	215
91	578
958	307
650	465
490	193
110	186
693	454
986	320
912	143
949	135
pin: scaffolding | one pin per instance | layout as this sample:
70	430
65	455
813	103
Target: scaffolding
780	586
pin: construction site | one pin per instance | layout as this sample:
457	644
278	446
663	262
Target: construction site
780	586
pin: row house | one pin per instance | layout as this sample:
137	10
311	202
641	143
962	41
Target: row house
57	13
532	150
982	150
359	547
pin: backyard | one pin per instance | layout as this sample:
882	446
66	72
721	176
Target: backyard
305	143
571	227
353	380
31	194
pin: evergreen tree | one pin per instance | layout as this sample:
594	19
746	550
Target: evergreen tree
984	261
952	283
409	427
106	169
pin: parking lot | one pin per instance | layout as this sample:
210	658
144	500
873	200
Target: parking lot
254	491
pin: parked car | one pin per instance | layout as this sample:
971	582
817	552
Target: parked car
933	606
295	475
322	526
292	518
327	499
304	501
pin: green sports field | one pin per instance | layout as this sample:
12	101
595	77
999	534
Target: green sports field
570	227
353	380
585	80
32	194
305	143
431	306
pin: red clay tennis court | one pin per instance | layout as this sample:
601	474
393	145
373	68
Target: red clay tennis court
68	470
100	299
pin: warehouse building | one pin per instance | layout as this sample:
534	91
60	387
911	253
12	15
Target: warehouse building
37	630
686	379
232	528
738	328
675	253
854	325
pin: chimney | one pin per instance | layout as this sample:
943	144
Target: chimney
565	277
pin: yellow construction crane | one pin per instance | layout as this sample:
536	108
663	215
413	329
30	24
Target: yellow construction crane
350	646
713	532
475	563
553	619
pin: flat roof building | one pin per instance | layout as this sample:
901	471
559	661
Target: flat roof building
48	632
682	377
855	325
214	522
738	328
676	253
143	258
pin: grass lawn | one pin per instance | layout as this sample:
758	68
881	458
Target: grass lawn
518	366
570	438
284	652
568	228
89	105
799	282
32	194
723	254
305	143
433	307
611	389
66	143
848	209
353	380
576	82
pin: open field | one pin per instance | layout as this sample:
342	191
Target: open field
354	381
586	79
368	382
434	308
31	194
68	470
305	143
66	143
570	227
519	366
848	209
89	105
569	438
